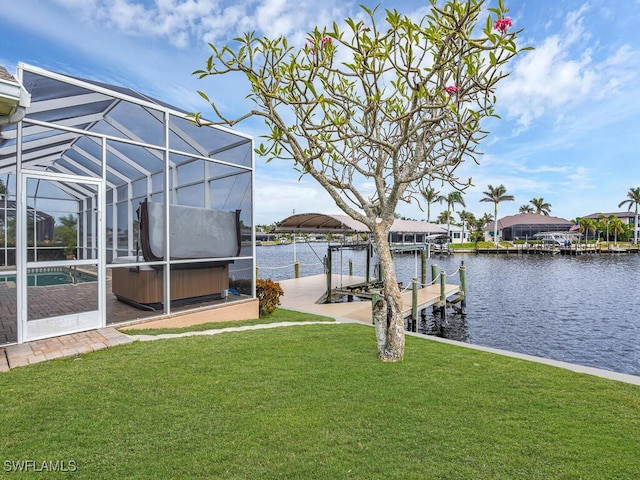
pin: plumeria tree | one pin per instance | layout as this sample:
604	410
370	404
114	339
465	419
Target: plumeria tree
375	110
633	200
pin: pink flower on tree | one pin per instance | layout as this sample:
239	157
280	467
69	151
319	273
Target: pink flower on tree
323	41
451	89
502	24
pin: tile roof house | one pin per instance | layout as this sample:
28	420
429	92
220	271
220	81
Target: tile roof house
628	218
526	225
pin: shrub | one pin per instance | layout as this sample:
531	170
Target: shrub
268	293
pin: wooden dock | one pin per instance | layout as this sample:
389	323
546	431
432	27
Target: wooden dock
302	294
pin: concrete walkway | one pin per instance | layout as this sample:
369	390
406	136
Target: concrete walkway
215	331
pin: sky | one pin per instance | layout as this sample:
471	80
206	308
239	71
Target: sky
569	130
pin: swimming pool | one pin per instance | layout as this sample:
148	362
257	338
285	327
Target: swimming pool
52	276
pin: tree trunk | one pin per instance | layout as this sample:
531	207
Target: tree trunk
379	311
392	349
495	224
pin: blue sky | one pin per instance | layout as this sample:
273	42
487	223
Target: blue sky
570	127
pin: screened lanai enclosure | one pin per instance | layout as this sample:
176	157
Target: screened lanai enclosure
114	208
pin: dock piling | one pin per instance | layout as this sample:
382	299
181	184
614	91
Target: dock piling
329	273
414	303
443	295
463	288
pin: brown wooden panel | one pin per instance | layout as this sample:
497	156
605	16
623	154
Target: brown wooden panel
146	286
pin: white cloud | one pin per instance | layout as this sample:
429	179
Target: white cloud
581	178
184	23
277	198
562	73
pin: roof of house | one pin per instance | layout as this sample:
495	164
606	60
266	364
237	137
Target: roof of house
6	76
336	223
416	226
530	219
625	214
453	227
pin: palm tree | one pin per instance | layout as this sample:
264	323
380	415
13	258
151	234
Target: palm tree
431	196
541	206
451	199
525	209
496	195
466	218
604	223
586	225
633	198
616	226
443	217
485	220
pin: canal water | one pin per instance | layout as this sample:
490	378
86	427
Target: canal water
583	310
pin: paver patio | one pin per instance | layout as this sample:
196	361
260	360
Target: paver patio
19	355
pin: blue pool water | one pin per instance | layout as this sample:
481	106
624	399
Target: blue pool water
55	277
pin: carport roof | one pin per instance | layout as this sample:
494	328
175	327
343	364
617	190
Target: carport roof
320	223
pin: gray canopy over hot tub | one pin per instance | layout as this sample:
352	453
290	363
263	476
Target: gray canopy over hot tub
194	233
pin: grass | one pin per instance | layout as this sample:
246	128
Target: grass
474	245
313	402
279	315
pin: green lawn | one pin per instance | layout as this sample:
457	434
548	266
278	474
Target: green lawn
313	402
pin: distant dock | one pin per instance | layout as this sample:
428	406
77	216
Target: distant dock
574	250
